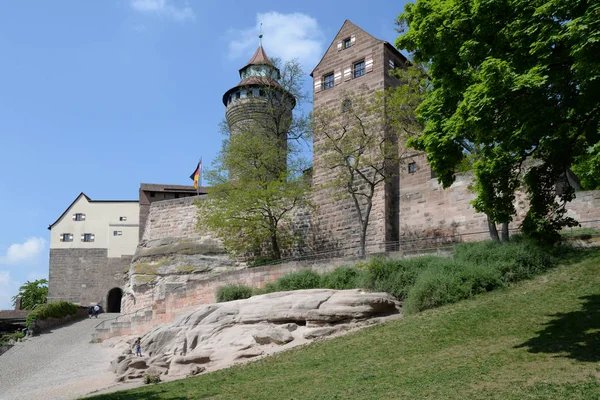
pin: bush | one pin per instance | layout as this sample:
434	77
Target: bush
448	281
233	292
395	276
4	339
57	309
306	279
516	260
343	278
151	378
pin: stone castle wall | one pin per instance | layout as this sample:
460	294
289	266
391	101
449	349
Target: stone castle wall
426	207
85	275
172	218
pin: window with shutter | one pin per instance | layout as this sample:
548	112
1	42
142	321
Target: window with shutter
337	77
368	64
318	86
359	69
78	217
348	73
328	81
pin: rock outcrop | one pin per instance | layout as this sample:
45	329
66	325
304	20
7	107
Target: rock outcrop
218	335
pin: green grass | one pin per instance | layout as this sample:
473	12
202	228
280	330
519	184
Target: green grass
538	339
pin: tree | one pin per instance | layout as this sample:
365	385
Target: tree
519	80
257	182
363	141
32	294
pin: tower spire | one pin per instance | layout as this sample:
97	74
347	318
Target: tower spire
260	35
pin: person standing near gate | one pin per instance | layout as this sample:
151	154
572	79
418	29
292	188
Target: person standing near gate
96	310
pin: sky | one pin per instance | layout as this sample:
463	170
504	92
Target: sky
100	96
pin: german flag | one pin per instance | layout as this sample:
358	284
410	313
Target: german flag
197	174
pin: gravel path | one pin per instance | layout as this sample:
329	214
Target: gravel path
59	365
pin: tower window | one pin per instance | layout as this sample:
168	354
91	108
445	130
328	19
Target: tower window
261	92
237	95
412	167
328	81
359	69
347	43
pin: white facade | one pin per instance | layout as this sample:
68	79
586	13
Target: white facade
98	224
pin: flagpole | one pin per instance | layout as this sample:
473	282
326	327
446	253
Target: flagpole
200	172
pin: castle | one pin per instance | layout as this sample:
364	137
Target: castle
169	264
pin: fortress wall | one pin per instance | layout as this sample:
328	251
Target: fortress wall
425	206
172	218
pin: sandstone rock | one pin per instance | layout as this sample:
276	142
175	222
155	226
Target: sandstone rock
273	335
217	335
320	332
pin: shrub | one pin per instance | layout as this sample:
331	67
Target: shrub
4	339
448	281
271	287
151	378
57	309
306	279
395	276
343	278
516	260
233	292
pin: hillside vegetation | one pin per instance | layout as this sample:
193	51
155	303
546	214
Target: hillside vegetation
538	339
425	282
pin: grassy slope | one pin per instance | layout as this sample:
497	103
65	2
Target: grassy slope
539	339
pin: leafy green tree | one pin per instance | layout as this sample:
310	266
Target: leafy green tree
587	168
32	294
257	182
362	141
518	79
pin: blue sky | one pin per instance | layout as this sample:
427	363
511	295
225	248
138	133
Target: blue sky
99	96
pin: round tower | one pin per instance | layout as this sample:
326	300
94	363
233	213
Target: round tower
259	105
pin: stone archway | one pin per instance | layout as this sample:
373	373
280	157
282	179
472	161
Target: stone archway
113	300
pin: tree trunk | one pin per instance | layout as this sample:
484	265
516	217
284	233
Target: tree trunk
505	233
275	246
493	229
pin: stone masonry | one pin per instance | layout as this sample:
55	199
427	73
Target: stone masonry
338	217
85	275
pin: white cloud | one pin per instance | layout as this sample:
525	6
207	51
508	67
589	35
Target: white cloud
165	8
19	252
8	288
286	36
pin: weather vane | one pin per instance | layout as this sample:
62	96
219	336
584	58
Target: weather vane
260	35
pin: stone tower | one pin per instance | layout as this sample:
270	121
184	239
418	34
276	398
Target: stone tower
259	105
358	62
